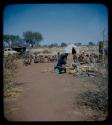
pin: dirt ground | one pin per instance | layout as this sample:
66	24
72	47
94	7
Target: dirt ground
46	96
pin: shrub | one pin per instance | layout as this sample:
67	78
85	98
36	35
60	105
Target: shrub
9	69
97	100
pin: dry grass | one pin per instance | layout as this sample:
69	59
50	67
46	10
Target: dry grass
9	67
96	100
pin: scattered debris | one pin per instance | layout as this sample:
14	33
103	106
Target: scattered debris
77	74
92	70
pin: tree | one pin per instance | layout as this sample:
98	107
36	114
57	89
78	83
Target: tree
91	43
32	37
14	38
63	44
6	38
11	39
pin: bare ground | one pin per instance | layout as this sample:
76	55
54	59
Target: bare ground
46	96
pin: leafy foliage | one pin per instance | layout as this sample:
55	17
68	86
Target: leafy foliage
32	37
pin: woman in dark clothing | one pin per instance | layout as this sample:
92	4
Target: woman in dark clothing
61	62
74	55
73	51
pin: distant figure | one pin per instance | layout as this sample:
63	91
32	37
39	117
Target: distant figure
106	55
73	50
74	55
106	51
61	63
58	55
101	50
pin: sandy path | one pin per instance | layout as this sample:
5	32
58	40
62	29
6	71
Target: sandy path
45	96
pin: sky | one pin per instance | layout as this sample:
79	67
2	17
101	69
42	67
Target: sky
69	23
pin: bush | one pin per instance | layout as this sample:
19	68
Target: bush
97	100
9	68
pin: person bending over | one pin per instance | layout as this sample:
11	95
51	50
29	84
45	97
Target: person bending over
61	63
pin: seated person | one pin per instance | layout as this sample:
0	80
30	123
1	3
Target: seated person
61	63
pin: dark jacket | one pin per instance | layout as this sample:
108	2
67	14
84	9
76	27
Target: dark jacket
61	60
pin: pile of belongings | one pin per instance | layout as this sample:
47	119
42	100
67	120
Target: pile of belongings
75	69
83	70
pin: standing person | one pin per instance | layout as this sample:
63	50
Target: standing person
101	50
61	63
74	55
58	55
